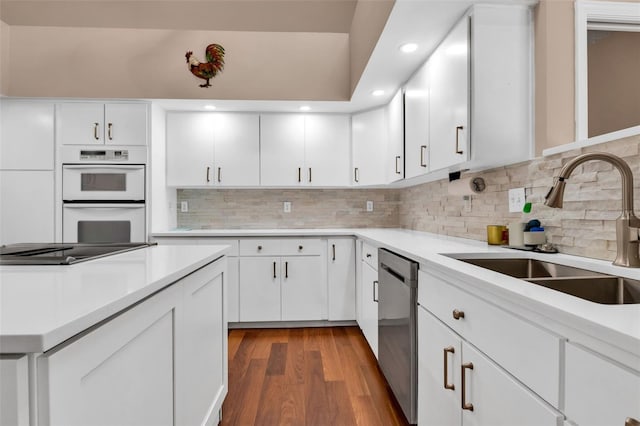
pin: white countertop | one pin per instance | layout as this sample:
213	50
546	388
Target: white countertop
41	306
611	325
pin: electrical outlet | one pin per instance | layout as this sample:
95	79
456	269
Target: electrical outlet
467	203
287	207
369	206
184	206
516	200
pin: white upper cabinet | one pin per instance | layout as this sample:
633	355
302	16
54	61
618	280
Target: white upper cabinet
212	149
416	123
27	135
395	118
304	150
449	99
370	142
90	123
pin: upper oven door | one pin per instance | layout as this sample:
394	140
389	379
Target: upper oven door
102	182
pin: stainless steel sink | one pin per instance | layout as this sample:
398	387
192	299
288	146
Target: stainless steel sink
583	283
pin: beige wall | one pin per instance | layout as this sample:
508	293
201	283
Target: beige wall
104	63
554	74
614	85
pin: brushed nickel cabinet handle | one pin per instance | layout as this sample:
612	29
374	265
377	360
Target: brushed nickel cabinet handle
286	269
448	350
309	174
356	174
375	284
333	248
95	131
631	422
208	170
274	269
398	171
109	131
465	405
458	150
423	156
299	174
458	314
219	174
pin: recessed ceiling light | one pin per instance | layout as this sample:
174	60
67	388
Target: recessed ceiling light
408	47
305	108
210	107
377	92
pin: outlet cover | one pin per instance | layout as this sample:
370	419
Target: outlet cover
516	200
184	206
369	206
287	207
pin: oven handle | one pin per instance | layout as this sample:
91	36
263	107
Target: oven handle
103	166
102	206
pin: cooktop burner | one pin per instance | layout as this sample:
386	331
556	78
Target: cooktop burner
61	254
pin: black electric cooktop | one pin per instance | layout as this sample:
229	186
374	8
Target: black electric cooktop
61	254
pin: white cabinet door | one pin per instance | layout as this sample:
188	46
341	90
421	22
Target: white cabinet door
120	373
201	382
260	289
233	289
190	149
416	121
369	137
125	124
439	359
80	123
282	149
395	117
327	150
598	391
14	390
369	302
237	149
26	206
304	293
341	258
27	138
497	398
449	99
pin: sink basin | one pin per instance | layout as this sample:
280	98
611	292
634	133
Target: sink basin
531	268
588	285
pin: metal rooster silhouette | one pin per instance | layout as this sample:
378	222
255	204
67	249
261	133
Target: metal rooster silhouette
211	68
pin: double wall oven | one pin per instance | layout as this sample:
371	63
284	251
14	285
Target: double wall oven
103	195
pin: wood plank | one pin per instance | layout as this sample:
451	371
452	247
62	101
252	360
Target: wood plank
241	404
271	401
277	359
235	339
316	402
339	404
294	370
293	405
330	358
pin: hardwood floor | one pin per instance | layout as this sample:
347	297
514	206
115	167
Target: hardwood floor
306	376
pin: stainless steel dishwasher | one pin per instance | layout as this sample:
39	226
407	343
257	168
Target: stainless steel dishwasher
397	328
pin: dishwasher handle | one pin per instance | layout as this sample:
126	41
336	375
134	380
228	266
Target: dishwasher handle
393	273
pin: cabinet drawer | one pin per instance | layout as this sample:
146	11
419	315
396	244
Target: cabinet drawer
260	247
370	255
197	241
280	247
297	246
526	351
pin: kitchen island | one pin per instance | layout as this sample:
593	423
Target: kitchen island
116	340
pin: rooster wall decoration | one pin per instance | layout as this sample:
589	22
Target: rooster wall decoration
211	68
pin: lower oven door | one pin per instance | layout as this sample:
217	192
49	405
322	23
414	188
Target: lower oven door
103	223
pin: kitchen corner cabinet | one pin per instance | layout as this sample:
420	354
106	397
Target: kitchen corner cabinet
368	296
304	149
416	123
598	390
370	141
282	280
395	118
341	270
93	123
212	149
14	390
458	385
140	366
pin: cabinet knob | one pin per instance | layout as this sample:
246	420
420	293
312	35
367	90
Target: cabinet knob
368	254
259	248
300	247
458	314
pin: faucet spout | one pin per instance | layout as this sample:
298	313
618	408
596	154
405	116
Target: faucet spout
627	225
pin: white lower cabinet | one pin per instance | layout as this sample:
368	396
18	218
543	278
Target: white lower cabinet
599	392
146	365
341	279
369	316
14	390
286	288
458	385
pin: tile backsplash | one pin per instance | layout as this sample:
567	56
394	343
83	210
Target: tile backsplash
585	226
